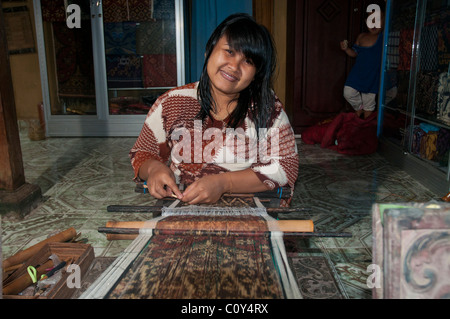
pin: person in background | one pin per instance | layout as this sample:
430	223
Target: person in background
363	82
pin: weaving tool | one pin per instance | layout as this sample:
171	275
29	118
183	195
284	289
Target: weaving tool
182	262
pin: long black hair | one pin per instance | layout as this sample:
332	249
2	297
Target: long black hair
254	42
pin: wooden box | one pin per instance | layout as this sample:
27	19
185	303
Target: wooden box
80	254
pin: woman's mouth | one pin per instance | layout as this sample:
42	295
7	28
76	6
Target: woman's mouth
229	77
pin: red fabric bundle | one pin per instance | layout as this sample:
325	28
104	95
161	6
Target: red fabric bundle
347	134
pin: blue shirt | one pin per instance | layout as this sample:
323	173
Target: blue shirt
365	74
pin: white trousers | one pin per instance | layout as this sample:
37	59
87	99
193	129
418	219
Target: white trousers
358	100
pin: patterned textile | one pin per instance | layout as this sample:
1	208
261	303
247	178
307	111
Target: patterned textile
405	49
127	10
411	247
177	109
428	146
444	46
120	38
179	264
74	64
418	134
427	92
156	37
164	9
160	70
124	71
443	99
346	134
53	11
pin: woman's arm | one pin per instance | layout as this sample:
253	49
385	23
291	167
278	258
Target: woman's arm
349	51
210	188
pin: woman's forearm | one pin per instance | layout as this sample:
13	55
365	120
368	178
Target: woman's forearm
245	181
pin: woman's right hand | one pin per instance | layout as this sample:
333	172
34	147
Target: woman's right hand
160	180
344	45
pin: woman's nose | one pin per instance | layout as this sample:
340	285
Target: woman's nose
233	63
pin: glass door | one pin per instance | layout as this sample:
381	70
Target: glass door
101	78
140	52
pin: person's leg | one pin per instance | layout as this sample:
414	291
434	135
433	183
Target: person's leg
354	98
369	103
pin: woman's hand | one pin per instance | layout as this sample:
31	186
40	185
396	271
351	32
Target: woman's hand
160	180
207	190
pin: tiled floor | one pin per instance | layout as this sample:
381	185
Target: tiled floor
80	177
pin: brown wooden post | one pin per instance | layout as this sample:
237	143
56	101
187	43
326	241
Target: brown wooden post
15	194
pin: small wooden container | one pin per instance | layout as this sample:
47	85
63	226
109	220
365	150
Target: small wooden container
80	254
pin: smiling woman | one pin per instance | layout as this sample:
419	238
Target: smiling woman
235	98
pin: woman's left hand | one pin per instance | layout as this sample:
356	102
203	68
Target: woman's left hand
206	190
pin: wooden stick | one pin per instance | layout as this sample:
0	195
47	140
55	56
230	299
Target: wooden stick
283	192
131	234
157	209
23	255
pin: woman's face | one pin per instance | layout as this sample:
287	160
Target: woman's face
229	71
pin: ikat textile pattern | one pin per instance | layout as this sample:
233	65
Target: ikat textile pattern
164	9
159	70
127	10
74	63
156	37
120	38
427	92
124	71
53	11
405	49
201	266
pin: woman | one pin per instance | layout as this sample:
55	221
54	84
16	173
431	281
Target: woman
204	134
362	84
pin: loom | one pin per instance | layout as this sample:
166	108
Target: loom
233	250
207	252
